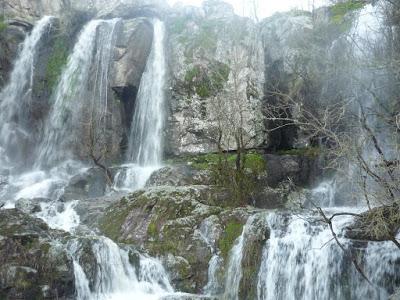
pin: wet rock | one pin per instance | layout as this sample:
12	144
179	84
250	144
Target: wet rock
89	184
34	264
90	210
303	170
30	206
179	175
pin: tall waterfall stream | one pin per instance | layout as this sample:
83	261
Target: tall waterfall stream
299	259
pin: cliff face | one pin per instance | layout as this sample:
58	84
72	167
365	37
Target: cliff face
216	79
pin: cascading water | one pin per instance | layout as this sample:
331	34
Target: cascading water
78	101
145	140
301	261
115	276
16	97
78	106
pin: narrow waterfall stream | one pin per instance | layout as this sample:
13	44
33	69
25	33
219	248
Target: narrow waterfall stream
145	141
16	97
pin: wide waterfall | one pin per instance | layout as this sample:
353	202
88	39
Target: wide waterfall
302	261
79	105
86	184
15	99
145	141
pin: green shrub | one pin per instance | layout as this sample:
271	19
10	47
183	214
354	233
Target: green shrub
339	10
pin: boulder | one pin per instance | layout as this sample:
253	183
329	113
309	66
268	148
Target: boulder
89	184
34	265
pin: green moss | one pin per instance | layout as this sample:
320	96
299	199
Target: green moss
3	25
111	223
339	10
308	151
232	231
57	61
152	229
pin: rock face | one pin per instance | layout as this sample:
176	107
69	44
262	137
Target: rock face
34	265
211	51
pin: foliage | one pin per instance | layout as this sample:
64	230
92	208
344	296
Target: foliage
340	10
56	62
232	231
207	81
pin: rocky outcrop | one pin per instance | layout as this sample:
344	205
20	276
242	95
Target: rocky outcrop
211	50
34	264
174	224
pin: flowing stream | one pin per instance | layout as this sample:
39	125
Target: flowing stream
145	141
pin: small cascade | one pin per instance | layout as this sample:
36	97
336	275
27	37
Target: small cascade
15	98
115	276
302	261
145	141
234	267
324	194
79	107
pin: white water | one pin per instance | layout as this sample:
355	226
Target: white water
115	277
234	266
145	141
15	99
80	105
301	261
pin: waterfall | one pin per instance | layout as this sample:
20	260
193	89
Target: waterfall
115	276
234	266
81	97
16	98
145	140
302	261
